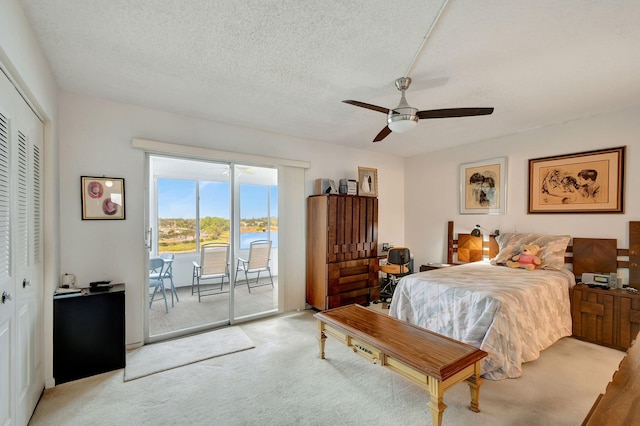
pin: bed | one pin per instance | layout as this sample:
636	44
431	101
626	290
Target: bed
512	314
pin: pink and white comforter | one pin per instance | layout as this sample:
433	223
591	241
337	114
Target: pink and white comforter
512	314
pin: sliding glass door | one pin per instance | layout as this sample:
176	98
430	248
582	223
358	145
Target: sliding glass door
218	209
256	291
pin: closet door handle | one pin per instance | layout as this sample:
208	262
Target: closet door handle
6	297
25	283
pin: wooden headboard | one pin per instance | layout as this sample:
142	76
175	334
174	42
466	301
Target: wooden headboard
469	248
585	254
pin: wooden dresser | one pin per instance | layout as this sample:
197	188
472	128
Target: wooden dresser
606	317
619	404
342	249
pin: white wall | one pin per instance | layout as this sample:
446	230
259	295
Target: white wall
432	184
22	59
95	140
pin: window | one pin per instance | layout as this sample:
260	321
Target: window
181	219
176	215
258	214
193	204
214	212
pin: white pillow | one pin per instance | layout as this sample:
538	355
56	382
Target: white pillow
552	253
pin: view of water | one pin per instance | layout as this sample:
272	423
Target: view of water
247	237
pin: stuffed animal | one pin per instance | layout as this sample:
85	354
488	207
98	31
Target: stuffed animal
527	259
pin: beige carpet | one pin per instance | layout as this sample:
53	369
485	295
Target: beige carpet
284	382
151	359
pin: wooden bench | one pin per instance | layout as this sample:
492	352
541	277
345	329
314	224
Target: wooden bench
430	360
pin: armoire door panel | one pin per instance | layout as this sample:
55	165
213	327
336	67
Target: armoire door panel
348	230
332	228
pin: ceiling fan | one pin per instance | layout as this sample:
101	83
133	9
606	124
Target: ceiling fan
405	117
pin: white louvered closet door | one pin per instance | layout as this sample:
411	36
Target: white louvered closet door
21	263
7	308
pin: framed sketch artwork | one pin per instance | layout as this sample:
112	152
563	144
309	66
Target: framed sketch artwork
367	182
102	198
585	182
483	187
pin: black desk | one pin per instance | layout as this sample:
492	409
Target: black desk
88	333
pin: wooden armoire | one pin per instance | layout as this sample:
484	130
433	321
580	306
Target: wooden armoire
342	250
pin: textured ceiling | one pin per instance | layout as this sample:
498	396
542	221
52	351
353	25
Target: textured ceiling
285	65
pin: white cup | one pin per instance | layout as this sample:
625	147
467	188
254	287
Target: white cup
68	281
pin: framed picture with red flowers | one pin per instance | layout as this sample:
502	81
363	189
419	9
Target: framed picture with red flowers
102	198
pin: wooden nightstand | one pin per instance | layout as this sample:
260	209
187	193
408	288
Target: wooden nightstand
605	317
432	266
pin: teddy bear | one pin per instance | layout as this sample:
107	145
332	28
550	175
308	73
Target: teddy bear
527	259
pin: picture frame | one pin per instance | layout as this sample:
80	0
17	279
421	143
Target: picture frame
326	186
584	182
102	198
483	187
367	182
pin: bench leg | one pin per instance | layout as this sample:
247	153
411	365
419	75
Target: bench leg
474	388
321	338
435	403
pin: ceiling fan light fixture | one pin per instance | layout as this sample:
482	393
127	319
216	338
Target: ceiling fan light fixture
404	125
403	117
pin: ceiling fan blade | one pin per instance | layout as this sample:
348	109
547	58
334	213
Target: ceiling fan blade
453	112
367	106
383	134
